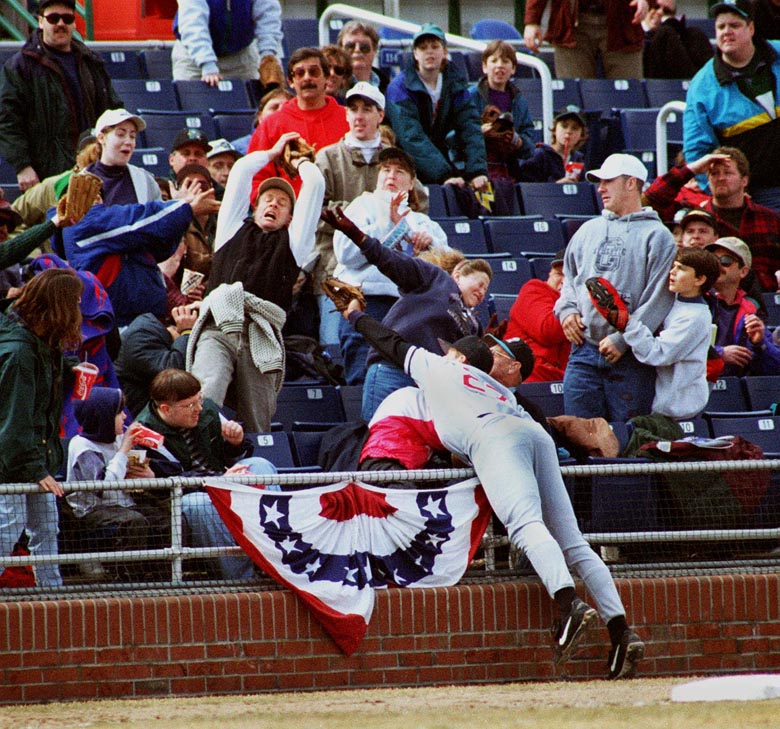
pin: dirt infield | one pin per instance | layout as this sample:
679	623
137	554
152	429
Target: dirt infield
581	705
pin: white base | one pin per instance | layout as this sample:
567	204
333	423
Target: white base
730	688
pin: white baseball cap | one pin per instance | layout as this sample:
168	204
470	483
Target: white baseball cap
616	165
112	117
367	91
222	146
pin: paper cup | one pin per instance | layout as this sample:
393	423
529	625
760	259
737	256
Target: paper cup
189	280
136	457
86	375
149	438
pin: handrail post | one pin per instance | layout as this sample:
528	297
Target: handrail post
661	136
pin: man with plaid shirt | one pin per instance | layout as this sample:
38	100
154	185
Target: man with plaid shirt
727	171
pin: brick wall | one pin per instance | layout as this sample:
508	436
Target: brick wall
251	642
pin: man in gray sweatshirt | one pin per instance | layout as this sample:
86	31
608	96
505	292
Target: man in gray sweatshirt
630	247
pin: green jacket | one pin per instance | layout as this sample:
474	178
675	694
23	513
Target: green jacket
39	123
221	454
31	393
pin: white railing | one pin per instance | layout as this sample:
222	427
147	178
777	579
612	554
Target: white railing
661	136
340	10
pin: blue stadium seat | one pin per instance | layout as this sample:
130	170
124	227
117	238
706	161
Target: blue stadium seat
299	33
547	395
762	391
316	404
509	274
523	236
696	426
570	224
763	430
662	90
623	503
465	235
638	128
437	203
153	160
647	158
474	65
501	304
540	267
550	198
227	95
351	401
727	396
274	446
566	92
7	173
10	191
139	93
307	447
156	63
488	30
603	93
122	64
163	126
772	303
233	126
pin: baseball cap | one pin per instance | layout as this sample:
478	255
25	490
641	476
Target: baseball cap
616	165
476	352
397	154
193	169
46	3
9	215
191	136
222	146
112	117
701	215
367	91
737	246
572	111
744	8
517	349
86	137
279	184
429	29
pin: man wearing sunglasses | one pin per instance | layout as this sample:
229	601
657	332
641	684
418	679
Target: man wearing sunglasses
50	92
317	117
361	41
742	338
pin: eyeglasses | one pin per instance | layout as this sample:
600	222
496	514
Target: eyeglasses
338	70
363	47
313	71
727	261
190	405
54	18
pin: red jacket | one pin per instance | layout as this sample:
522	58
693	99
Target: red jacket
531	318
622	34
319	127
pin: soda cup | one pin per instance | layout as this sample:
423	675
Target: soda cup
149	438
86	375
189	280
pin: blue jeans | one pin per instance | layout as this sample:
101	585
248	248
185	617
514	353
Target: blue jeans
329	321
382	378
208	530
354	349
594	388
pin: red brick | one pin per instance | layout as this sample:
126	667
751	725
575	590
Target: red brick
194	685
168	670
261	682
264	648
187	652
11	694
719	646
152	687
41	658
295	681
415	659
331	679
223	684
152	654
82	690
115	689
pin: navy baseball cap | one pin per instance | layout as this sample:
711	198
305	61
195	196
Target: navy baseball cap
191	136
744	8
516	349
476	352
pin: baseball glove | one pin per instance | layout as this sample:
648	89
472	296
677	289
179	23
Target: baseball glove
341	293
83	189
607	302
295	149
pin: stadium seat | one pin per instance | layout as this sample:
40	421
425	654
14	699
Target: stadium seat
762	391
570	224
663	90
696	426
307	447
727	396
274	446
122	64
772	303
437	204
509	274
351	401
524	236
139	93
7	173
299	33
551	198
623	503
163	126
540	267
763	430
233	126
638	128
227	95
156	63
501	304
603	93
153	160
566	92
488	30
316	404
10	191
547	395
465	235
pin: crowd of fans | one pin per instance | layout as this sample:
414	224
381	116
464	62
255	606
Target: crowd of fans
188	286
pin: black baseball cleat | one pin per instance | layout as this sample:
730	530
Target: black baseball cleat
625	655
568	631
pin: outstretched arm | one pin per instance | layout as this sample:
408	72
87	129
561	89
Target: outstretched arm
391	345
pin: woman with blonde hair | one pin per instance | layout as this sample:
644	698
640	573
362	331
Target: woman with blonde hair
34	331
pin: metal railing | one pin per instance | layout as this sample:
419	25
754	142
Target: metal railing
340	10
661	135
